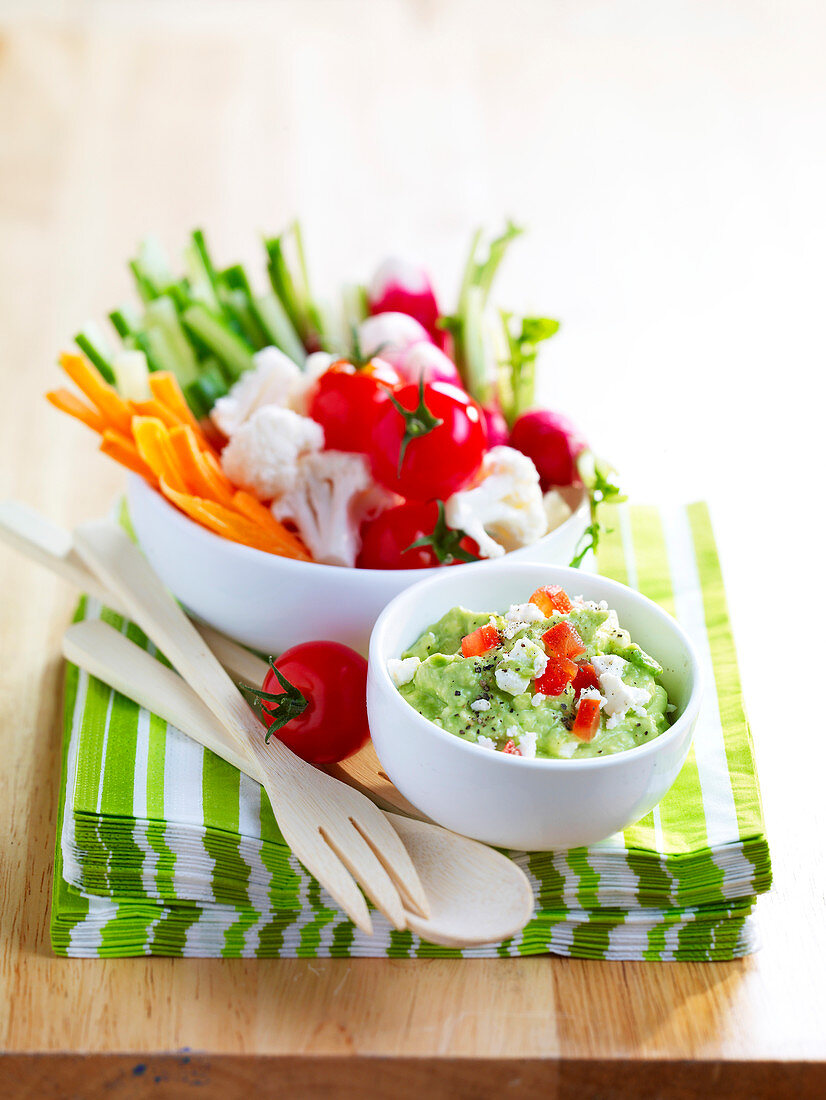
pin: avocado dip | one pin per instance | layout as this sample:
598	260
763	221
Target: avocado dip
552	678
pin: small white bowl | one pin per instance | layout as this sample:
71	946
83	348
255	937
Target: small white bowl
510	801
272	603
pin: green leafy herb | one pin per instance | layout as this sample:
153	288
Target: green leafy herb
516	390
600	481
287	704
444	541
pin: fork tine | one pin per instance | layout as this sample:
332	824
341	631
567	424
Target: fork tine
388	848
324	863
360	860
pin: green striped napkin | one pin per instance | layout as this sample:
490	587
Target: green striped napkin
165	849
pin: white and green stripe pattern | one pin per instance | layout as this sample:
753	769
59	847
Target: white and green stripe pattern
165	849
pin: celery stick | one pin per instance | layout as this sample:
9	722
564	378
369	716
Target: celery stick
201	272
162	317
125	321
91	343
278	328
231	350
131	375
473	341
283	285
202	394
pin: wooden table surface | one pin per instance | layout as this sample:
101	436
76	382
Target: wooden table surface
669	163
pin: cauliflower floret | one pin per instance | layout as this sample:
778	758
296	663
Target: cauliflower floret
503	510
270	382
301	393
334	493
262	455
557	509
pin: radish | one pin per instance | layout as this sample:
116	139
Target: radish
399	286
426	359
390	335
552	441
496	425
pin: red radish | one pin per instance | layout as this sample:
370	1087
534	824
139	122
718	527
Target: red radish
552	442
559	672
480	641
390	335
496	425
563	641
399	286
426	359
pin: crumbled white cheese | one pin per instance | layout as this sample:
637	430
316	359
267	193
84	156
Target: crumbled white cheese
527	744
523	613
526	655
538	699
480	704
591	693
512	629
591	605
567	749
485	742
611	630
402	672
619	696
511	681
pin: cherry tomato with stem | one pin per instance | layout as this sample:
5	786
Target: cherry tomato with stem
413	535
428	441
347	400
314	698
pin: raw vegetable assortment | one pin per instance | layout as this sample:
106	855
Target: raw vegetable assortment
383	434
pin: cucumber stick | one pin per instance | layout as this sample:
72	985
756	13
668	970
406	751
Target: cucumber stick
232	351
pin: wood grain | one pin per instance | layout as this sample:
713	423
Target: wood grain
122	117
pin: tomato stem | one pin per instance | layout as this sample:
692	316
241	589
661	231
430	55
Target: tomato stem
288	704
417	422
444	541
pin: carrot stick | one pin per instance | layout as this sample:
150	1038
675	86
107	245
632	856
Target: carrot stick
222	521
123	450
157	411
197	474
70	403
253	509
165	388
152	442
105	397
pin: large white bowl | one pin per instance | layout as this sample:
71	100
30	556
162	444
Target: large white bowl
509	801
272	603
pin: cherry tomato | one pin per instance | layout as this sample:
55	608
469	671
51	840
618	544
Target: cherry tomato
428	441
347	400
387	541
319	710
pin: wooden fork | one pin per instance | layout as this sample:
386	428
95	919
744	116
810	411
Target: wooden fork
338	834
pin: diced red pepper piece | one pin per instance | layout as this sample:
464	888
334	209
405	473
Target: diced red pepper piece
558	673
586	722
563	641
550	598
512	749
586	677
480	641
